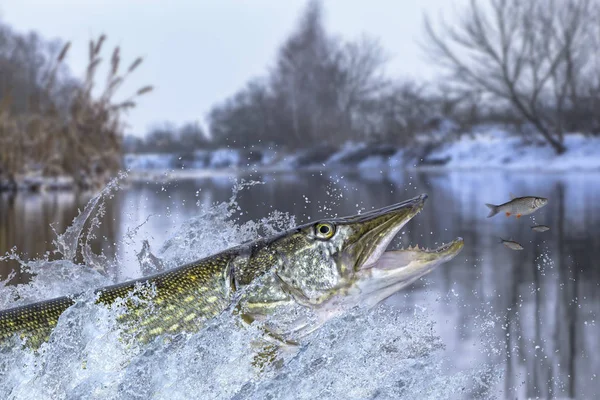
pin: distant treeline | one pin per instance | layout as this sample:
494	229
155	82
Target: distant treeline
324	90
51	124
533	65
168	138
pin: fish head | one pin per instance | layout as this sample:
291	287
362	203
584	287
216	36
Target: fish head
539	202
332	265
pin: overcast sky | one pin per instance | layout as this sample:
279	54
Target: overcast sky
198	52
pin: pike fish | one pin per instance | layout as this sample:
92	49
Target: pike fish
518	206
327	267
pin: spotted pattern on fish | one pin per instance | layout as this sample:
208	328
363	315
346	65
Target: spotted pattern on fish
323	267
184	298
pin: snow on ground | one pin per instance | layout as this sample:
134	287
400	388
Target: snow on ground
498	150
487	147
148	161
225	158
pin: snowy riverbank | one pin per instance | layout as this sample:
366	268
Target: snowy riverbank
490	149
484	149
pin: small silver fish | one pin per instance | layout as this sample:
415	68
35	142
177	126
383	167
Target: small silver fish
518	206
540	228
511	244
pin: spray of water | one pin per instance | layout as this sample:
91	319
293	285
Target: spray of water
382	353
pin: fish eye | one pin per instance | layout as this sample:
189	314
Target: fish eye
324	230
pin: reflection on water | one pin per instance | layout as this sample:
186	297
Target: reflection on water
533	313
27	222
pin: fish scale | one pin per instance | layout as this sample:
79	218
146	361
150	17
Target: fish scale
324	267
203	281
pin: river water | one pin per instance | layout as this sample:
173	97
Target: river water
531	316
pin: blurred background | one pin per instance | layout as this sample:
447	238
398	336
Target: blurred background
337	107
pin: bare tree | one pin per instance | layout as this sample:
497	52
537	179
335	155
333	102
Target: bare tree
531	54
299	79
358	85
322	89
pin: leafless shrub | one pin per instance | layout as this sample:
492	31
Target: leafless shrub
534	55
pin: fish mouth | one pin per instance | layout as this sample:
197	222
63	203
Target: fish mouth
397	269
374	232
377	228
445	248
381	226
403	258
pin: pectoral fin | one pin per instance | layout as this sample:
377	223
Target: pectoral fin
271	355
266	355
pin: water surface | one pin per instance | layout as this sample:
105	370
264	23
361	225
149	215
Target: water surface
533	313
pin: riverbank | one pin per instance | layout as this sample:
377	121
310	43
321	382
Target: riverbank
484	149
487	149
36	183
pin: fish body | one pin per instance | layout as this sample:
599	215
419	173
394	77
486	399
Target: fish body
325	267
540	228
182	299
518	206
511	244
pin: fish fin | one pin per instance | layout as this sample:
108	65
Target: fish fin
512	196
493	210
294	293
508	214
270	354
266	356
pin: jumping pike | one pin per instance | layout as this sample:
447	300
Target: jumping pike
328	267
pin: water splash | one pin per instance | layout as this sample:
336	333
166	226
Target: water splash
384	353
68	242
217	228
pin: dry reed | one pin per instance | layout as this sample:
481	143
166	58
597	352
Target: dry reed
83	142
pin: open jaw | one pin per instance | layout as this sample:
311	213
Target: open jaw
388	222
385	272
402	258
